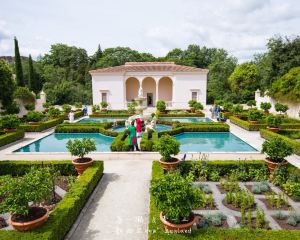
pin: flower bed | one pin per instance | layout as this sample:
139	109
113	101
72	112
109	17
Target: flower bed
7	138
66	211
41	126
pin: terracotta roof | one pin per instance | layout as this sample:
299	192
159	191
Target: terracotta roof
149	67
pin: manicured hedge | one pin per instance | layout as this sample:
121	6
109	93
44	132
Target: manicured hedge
201	114
269	135
156	230
42	125
120	143
247	125
77	114
108	115
147	143
65	213
11	137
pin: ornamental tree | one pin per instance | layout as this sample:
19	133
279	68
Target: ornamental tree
7	85
266	106
277	149
161	106
18	65
282	108
82	147
167	146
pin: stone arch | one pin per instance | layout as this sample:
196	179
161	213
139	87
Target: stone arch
132	88
149	91
165	89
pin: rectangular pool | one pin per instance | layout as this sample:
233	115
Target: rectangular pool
212	142
56	142
186	119
101	120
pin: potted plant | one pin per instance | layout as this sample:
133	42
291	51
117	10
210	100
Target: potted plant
254	115
191	105
53	112
104	106
266	106
281	108
34	187
131	107
227	106
95	108
78	106
251	103
168	146
161	106
34	117
10	123
276	149
46	106
80	148
273	123
175	197
198	106
237	110
66	108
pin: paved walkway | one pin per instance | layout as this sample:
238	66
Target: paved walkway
119	207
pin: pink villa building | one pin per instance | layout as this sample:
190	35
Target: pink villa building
175	84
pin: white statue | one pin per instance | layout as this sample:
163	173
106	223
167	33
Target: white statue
140	94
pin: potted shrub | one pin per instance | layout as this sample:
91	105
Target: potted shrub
251	103
34	187
161	106
95	108
254	115
175	197
78	106
191	105
53	112
281	108
266	106
10	123
273	123
131	107
276	149
46	106
168	146
104	106
237	110
198	106
66	108
34	117
80	148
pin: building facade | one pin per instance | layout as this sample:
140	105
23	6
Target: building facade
175	84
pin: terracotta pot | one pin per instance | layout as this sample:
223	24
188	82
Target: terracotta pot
169	165
273	129
9	130
33	123
177	228
26	226
80	167
272	165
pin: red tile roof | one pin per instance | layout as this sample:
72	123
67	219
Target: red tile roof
149	67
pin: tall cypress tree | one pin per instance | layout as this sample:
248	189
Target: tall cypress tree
32	83
18	65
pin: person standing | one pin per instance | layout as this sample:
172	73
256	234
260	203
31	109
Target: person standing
138	123
71	116
132	141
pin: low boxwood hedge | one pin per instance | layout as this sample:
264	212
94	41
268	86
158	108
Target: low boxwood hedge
108	115
41	126
77	114
269	135
7	138
65	213
156	229
247	125
120	143
201	114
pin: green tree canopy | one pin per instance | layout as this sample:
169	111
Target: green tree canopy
18	65
7	85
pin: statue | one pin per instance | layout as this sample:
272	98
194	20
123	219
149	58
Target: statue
140	94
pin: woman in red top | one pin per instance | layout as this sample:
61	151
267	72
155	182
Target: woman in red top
138	123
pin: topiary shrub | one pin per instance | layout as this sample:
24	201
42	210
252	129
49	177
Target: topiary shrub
281	108
237	109
82	147
198	106
131	107
103	105
167	146
78	104
251	103
227	106
274	121
66	108
254	114
175	196
161	106
266	106
10	121
53	112
34	116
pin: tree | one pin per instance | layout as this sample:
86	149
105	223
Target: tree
7	85
18	65
32	81
244	80
96	57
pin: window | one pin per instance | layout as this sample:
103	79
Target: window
104	97
195	96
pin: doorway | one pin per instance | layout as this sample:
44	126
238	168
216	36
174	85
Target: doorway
149	99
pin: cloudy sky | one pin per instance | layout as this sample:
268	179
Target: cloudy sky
240	26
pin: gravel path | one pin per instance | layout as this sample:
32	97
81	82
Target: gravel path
119	207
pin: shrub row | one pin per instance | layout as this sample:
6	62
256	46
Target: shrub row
104	115
148	141
201	114
269	135
65	213
77	114
120	143
11	137
156	229
247	125
41	126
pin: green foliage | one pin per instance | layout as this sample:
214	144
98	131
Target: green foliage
251	103
247	125
104	105
237	109
34	116
18	65
53	112
46	105
161	106
78	104
274	121
260	187
34	186
227	106
33	81
282	108
254	114
175	196
41	126
266	106
10	137
192	103
277	149
167	146
7	86
286	88
292	189
95	108
82	147
24	94
131	107
30	106
280	215
198	106
9	121
66	108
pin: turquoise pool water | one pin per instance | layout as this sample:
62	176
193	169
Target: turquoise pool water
186	119
159	128
101	120
56	142
212	142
